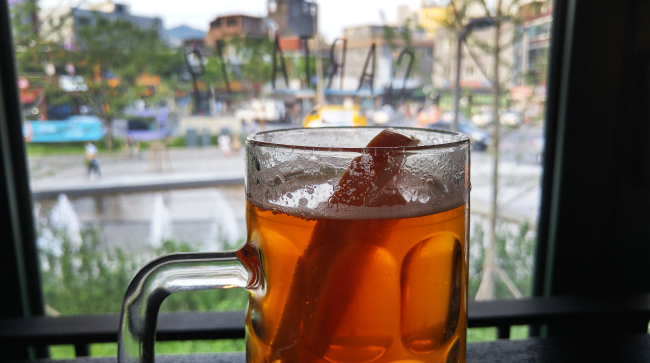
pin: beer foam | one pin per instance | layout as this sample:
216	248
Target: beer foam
300	181
426	188
341	211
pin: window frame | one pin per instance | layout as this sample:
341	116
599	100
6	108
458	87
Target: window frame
21	283
232	22
19	261
591	225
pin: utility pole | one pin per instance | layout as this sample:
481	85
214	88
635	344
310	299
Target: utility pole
459	54
320	89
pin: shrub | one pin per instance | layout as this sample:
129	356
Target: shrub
515	244
92	279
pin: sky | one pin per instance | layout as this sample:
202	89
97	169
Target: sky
334	14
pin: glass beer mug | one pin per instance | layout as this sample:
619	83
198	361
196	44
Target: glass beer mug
356	251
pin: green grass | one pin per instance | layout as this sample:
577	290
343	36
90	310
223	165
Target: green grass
201	346
490	334
48	149
238	345
481	334
66	149
78	148
61	351
176	347
519	332
74	148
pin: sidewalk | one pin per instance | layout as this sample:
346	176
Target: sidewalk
190	168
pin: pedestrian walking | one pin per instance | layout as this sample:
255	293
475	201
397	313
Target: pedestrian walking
224	140
132	147
91	159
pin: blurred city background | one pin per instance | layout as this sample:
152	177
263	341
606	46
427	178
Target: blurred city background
135	115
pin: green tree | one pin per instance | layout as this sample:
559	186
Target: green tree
35	50
113	54
297	70
506	19
110	55
248	61
255	55
214	72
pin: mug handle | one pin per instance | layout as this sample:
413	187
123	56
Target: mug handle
172	273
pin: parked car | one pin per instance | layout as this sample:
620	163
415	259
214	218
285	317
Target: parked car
511	118
480	139
507	118
482	119
335	115
448	116
266	110
429	115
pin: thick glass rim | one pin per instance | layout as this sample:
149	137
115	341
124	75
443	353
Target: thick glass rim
462	139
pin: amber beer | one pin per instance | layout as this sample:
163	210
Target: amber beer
386	290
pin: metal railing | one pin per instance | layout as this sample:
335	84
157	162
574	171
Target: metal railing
83	330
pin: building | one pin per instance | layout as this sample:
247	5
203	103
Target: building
531	58
278	13
535	45
523	63
74	18
224	27
302	22
360	40
406	15
290	26
472	66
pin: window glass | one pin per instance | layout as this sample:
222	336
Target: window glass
135	124
544	29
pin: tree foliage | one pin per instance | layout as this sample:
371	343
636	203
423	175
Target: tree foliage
515	245
254	56
248	61
35	50
112	55
497	274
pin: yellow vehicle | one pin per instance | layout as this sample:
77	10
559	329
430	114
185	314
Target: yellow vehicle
335	115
